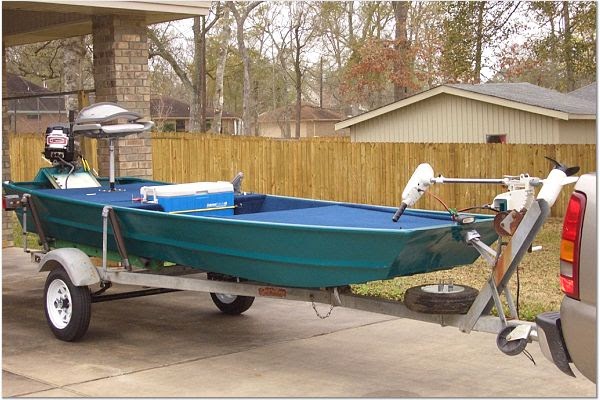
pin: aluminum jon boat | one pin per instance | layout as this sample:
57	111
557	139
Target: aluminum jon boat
213	227
272	239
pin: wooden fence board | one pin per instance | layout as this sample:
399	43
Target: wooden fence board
333	169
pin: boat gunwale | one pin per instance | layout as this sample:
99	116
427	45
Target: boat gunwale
480	218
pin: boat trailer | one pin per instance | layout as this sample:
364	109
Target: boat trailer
517	231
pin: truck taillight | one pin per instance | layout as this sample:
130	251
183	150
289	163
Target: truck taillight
570	245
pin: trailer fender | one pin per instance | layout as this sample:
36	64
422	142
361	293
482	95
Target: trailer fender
78	265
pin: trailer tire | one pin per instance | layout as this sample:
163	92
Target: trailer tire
427	299
68	308
232	304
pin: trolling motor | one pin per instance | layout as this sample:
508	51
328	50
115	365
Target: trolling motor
96	121
90	122
521	189
417	185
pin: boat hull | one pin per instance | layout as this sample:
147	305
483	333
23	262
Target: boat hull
279	253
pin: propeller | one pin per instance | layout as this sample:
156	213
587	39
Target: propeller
569	171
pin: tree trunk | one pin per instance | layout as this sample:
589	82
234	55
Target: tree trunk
298	83
74	52
247	104
568	47
479	42
246	98
350	15
401	46
196	104
321	82
221	61
298	103
202	68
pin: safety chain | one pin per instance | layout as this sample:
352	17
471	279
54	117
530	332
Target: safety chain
312	301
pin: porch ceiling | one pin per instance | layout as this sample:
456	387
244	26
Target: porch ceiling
38	21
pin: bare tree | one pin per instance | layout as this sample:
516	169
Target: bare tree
292	42
74	52
199	100
162	46
240	12
224	38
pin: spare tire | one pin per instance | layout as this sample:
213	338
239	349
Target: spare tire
429	299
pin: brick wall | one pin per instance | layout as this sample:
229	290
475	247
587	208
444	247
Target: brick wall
121	76
7	233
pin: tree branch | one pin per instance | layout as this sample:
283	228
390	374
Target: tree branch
163	52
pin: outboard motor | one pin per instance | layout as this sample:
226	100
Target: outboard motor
60	144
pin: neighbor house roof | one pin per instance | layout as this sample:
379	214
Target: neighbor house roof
19	86
526	93
587	92
520	96
307	113
170	107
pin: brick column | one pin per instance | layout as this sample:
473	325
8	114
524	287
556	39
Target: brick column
7	228
121	76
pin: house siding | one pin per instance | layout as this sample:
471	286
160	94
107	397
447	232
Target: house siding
307	129
451	119
577	132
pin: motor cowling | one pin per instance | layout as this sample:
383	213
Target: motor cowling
60	144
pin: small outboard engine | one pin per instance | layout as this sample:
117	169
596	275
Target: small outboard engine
60	144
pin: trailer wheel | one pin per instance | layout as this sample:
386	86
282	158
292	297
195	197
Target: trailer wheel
68	308
440	299
232	304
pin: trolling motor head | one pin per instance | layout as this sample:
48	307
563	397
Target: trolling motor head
90	122
418	183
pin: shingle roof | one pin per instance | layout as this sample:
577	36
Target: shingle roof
533	95
587	92
307	113
170	107
19	86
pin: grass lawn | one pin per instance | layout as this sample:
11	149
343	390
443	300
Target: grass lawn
538	275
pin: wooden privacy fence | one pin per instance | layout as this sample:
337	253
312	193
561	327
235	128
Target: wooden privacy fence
373	173
26	152
334	169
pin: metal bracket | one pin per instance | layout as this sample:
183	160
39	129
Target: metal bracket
520	332
28	202
108	214
473	238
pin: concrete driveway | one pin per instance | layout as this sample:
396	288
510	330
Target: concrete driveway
180	345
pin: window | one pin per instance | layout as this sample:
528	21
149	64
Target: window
180	125
495	138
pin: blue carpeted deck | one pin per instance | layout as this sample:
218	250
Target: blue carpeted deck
120	198
343	216
272	209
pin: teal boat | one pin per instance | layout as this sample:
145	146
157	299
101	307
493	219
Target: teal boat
277	240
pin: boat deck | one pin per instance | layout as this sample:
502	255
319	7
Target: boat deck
123	197
343	216
273	209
